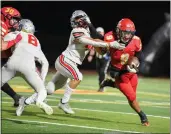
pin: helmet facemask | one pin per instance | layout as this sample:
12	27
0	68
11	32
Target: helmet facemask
125	36
12	22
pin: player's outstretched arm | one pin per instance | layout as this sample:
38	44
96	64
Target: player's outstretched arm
99	43
94	33
87	40
8	42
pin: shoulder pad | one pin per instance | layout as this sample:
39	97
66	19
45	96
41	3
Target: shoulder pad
138	43
109	37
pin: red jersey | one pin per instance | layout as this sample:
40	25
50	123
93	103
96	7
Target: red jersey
119	58
4	31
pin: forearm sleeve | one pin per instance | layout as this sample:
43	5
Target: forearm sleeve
94	33
85	41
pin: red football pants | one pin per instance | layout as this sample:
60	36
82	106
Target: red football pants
127	84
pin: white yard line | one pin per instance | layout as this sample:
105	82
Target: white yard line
164	117
70	125
121	102
140	92
101	100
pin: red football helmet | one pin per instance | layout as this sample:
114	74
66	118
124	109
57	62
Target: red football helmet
125	30
10	16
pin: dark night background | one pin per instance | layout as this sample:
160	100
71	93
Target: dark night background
52	21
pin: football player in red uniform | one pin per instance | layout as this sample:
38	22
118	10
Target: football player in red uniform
126	79
9	22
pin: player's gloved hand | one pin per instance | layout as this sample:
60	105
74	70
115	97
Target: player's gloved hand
117	45
13	42
131	70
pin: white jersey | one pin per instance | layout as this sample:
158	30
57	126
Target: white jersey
29	44
27	51
77	52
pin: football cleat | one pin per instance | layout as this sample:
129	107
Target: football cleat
21	106
46	108
101	90
145	122
66	108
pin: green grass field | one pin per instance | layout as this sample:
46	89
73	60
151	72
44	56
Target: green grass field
95	112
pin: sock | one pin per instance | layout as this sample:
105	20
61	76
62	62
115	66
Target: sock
8	90
31	99
41	95
142	115
67	94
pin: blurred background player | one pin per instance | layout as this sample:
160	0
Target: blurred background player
80	43
158	44
22	63
10	18
102	61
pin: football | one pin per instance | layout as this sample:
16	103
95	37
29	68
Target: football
100	50
133	62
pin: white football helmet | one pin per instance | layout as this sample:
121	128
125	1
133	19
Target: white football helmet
100	30
27	26
76	20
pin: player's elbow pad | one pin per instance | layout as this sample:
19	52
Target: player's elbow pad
92	42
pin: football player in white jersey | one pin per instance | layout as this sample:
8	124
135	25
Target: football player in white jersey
22	63
66	64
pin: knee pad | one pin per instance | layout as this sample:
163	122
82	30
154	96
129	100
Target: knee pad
50	88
